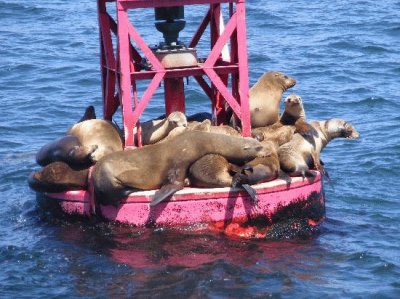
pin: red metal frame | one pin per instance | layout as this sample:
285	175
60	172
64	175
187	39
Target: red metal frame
121	68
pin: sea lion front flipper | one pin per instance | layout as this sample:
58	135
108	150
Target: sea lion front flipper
303	128
175	182
250	191
324	171
165	192
284	176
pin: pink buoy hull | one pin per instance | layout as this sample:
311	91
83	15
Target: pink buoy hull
205	205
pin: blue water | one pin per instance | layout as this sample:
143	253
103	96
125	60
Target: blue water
345	57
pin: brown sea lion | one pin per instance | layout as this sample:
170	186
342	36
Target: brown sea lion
264	169
294	115
164	165
84	143
302	153
100	133
58	177
212	171
155	130
279	134
206	126
265	96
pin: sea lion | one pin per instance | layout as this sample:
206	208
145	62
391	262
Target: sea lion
58	177
265	96
155	130
278	134
164	165
302	153
67	149
212	171
264	169
97	132
294	115
84	143
206	126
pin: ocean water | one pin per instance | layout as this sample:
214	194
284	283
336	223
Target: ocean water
345	57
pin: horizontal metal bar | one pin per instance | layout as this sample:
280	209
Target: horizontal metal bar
130	4
186	72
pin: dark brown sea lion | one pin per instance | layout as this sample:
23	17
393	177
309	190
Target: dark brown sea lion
58	177
155	130
164	165
67	149
265	97
302	153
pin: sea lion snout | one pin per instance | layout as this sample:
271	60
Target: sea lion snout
352	133
264	151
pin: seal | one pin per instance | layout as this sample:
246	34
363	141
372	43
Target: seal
164	165
155	130
265	96
206	126
97	132
84	143
211	171
67	149
58	177
302	153
279	134
294	115
264	169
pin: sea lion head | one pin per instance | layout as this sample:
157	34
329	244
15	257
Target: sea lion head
280	79
294	105
252	146
177	119
337	127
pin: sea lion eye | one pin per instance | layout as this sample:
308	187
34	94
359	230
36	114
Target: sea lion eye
286	77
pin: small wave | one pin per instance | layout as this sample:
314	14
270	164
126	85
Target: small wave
375	49
374	101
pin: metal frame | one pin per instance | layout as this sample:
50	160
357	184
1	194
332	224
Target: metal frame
121	71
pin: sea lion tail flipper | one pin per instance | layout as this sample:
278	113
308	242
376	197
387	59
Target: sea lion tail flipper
165	192
89	114
250	191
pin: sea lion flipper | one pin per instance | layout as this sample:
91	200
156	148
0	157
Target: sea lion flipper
250	191
303	128
165	192
284	176
89	114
